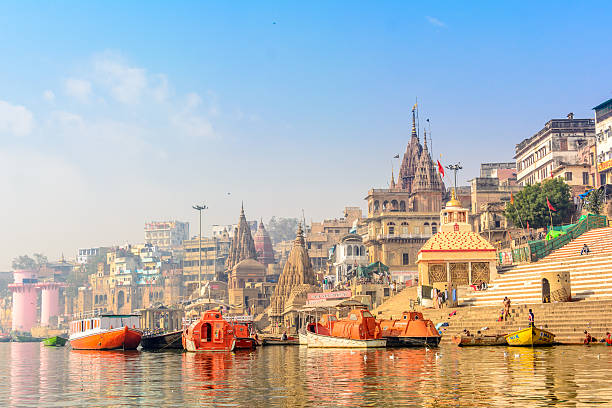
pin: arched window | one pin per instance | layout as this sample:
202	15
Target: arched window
120	299
434	228
376	206
404	229
349	250
394	205
362	252
385	205
402	205
426	229
390	228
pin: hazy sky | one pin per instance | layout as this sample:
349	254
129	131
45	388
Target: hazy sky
114	114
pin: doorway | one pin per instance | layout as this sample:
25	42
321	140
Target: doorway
545	291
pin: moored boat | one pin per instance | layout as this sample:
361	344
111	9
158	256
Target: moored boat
302	338
531	336
290	341
5	338
489	340
55	341
106	332
25	338
358	330
212	332
163	341
412	330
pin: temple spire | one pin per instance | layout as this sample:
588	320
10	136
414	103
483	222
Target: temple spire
414	132
425	140
392	183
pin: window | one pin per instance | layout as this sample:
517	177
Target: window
568	176
585	178
405	259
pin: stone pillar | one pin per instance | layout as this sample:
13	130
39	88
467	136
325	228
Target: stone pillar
24	300
469	273
49	306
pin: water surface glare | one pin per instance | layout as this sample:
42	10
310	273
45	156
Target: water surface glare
32	375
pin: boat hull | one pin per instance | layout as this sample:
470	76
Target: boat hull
531	336
164	341
303	339
277	342
397	341
238	343
469	341
55	341
118	339
321	341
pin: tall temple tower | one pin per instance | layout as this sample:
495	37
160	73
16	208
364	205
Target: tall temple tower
427	185
296	280
242	246
411	158
263	245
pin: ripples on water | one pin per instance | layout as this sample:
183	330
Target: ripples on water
35	376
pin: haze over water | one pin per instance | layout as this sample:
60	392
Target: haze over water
35	376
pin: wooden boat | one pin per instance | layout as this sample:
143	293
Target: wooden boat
106	332
25	338
412	330
55	341
163	341
4	338
358	330
214	333
531	336
290	341
467	341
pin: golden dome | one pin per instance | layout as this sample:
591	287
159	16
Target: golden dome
453	202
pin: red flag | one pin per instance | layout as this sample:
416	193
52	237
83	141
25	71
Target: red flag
440	169
511	198
527	226
550	207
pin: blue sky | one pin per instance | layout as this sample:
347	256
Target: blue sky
113	114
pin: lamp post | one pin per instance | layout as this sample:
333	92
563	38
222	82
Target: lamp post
199	208
455	168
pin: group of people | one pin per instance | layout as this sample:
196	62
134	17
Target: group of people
588	339
439	298
480	286
505	311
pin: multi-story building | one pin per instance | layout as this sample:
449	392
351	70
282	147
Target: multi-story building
603	130
166	234
576	175
402	217
348	255
587	154
324	235
558	142
85	255
214	255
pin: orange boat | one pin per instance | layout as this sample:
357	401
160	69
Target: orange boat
106	332
358	329
214	333
412	330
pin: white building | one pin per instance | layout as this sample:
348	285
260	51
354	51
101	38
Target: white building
166	234
84	255
558	142
349	254
603	132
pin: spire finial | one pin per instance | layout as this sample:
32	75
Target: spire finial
299	238
414	132
392	183
425	139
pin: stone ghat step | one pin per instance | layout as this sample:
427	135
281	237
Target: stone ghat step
532	291
573	263
534	300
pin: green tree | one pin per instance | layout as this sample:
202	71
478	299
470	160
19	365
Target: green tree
594	201
282	229
530	204
24	262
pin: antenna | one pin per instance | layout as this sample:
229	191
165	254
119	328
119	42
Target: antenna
418	123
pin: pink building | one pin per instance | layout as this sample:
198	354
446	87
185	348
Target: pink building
24	300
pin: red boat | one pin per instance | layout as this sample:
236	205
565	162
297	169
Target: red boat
106	332
214	333
412	330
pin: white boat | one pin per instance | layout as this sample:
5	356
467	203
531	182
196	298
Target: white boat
322	341
303	338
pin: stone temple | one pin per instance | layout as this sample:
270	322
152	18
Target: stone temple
294	283
263	246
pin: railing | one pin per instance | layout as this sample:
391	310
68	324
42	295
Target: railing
533	251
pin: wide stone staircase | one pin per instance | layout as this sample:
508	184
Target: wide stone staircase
590	275
566	320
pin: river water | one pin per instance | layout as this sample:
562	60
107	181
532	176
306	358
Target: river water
32	375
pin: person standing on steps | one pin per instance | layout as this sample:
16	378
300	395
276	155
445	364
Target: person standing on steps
506	308
531	318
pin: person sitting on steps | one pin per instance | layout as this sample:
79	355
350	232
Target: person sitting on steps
585	250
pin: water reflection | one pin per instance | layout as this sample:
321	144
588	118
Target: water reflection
295	376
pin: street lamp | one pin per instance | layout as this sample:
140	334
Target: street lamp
199	208
455	168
